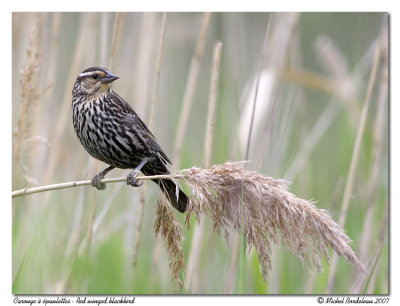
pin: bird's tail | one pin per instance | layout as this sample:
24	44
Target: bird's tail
179	200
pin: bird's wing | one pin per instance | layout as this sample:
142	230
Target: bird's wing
131	118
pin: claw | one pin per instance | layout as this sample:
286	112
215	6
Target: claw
132	180
98	177
96	182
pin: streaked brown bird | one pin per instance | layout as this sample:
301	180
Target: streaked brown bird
111	131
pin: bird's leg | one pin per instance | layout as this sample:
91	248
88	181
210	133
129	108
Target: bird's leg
98	177
131	178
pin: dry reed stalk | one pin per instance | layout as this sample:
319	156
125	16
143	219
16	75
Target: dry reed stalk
331	110
186	104
356	153
140	210
260	67
368	281
379	141
330	57
26	191
383	237
283	27
115	39
147	37
311	80
190	87
64	112
191	280
271	214
340	82
212	104
30	96
156	81
51	26
104	20
378	152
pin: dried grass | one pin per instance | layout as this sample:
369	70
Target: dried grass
171	233
30	96
191	86
154	99
272	215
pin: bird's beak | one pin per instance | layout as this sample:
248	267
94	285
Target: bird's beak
109	77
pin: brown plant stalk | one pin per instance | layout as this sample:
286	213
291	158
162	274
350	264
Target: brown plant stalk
271	215
154	99
30	97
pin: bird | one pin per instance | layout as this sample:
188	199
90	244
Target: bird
112	132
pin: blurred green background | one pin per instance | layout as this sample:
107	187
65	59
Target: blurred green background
312	90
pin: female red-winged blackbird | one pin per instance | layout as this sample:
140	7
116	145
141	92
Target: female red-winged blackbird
111	131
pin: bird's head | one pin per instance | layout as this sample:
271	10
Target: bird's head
94	81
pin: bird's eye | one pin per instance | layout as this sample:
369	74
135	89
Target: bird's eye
95	76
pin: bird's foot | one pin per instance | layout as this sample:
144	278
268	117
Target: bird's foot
132	180
96	182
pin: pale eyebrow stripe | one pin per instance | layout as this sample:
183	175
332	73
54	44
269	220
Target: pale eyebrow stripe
90	73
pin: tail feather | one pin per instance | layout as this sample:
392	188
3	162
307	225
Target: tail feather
180	200
167	186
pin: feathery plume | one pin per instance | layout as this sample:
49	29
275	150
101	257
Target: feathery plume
171	233
271	214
